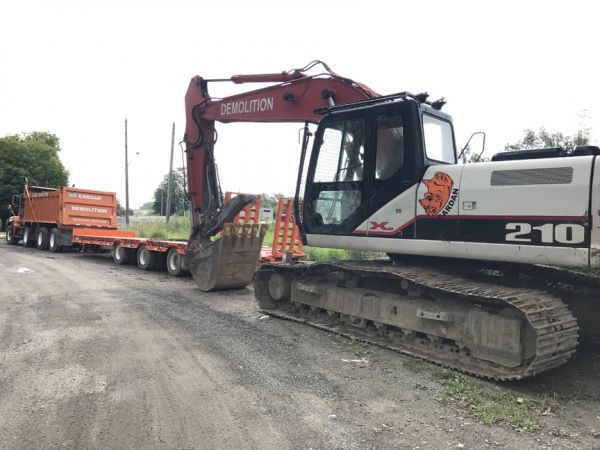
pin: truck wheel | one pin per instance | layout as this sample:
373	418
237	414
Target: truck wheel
10	237
121	255
146	259
174	263
53	242
43	238
27	237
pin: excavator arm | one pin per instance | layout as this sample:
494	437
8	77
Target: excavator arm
229	261
294	98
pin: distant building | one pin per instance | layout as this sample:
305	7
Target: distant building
266	214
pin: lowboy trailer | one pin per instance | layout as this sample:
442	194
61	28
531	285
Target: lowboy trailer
70	218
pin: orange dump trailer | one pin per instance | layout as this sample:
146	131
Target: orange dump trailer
50	218
59	219
69	207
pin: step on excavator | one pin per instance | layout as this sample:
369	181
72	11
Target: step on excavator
490	265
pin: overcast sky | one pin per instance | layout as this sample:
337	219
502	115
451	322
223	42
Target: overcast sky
78	71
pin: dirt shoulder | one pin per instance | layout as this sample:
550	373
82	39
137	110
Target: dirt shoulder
94	355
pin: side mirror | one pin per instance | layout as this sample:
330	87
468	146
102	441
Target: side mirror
475	148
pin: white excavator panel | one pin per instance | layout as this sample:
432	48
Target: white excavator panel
396	218
528	211
551	187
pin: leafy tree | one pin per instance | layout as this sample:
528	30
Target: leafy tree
545	138
469	157
179	201
148	206
32	155
121	209
270	200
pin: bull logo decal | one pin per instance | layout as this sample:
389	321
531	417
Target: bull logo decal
439	191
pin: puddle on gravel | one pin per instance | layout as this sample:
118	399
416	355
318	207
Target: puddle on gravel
23	270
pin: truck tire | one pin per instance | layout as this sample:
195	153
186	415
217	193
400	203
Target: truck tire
53	242
174	263
43	238
122	255
11	239
28	234
146	259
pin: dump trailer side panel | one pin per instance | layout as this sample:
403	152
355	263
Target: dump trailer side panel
41	206
88	208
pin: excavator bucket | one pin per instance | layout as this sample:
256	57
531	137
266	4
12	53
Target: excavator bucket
228	262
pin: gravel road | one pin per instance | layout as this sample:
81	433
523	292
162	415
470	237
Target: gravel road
94	355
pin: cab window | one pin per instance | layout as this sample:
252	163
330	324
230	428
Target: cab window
439	142
339	172
390	147
341	155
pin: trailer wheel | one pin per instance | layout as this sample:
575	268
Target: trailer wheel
10	237
53	242
43	237
146	259
27	237
174	262
121	255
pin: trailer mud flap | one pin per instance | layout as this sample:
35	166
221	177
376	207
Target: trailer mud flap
228	262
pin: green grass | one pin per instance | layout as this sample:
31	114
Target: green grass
492	403
336	254
177	229
588	270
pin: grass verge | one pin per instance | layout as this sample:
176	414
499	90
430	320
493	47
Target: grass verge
493	404
178	229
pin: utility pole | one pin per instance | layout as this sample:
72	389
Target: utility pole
170	174
126	179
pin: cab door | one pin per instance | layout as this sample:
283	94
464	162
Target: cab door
334	199
397	170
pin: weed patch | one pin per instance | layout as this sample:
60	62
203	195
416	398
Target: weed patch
177	229
493	404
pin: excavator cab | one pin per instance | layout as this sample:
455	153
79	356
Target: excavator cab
366	154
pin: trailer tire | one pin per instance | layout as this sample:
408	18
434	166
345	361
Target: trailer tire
43	238
27	235
11	239
122	255
174	263
53	242
146	259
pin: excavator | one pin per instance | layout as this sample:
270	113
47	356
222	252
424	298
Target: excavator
489	267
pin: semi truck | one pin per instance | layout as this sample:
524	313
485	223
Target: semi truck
66	218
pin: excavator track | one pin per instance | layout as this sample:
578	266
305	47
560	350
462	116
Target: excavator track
548	329
579	290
